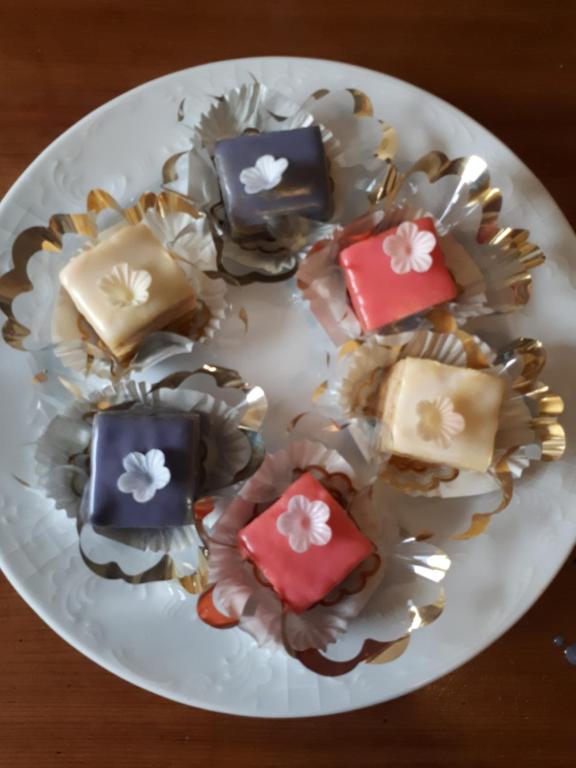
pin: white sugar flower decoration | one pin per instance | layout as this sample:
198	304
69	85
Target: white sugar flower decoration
439	422
145	474
304	523
126	287
410	250
266	173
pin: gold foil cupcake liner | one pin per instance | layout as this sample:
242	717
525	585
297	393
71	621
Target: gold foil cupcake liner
490	264
528	431
390	595
254	108
232	452
41	316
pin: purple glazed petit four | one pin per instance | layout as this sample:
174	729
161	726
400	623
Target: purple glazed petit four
144	468
273	174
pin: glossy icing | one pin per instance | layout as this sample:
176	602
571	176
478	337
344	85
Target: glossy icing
396	274
289	170
119	435
303	578
440	413
160	292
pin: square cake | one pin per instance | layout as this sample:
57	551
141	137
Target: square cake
396	274
128	286
440	413
305	544
144	468
273	174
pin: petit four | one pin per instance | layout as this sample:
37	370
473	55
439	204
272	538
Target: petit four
128	286
396	273
440	413
273	174
305	544
144	468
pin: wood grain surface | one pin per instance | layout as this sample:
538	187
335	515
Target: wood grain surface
511	65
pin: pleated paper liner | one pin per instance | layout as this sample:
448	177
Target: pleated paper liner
41	316
490	264
528	431
232	451
254	108
369	617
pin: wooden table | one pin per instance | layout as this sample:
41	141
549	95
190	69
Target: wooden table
511	65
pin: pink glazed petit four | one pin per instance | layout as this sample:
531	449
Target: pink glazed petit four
305	544
396	274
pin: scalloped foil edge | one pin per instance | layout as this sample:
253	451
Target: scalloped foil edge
88	354
252	414
277	473
507	279
540	407
266	268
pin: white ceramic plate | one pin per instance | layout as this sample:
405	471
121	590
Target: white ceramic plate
150	635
